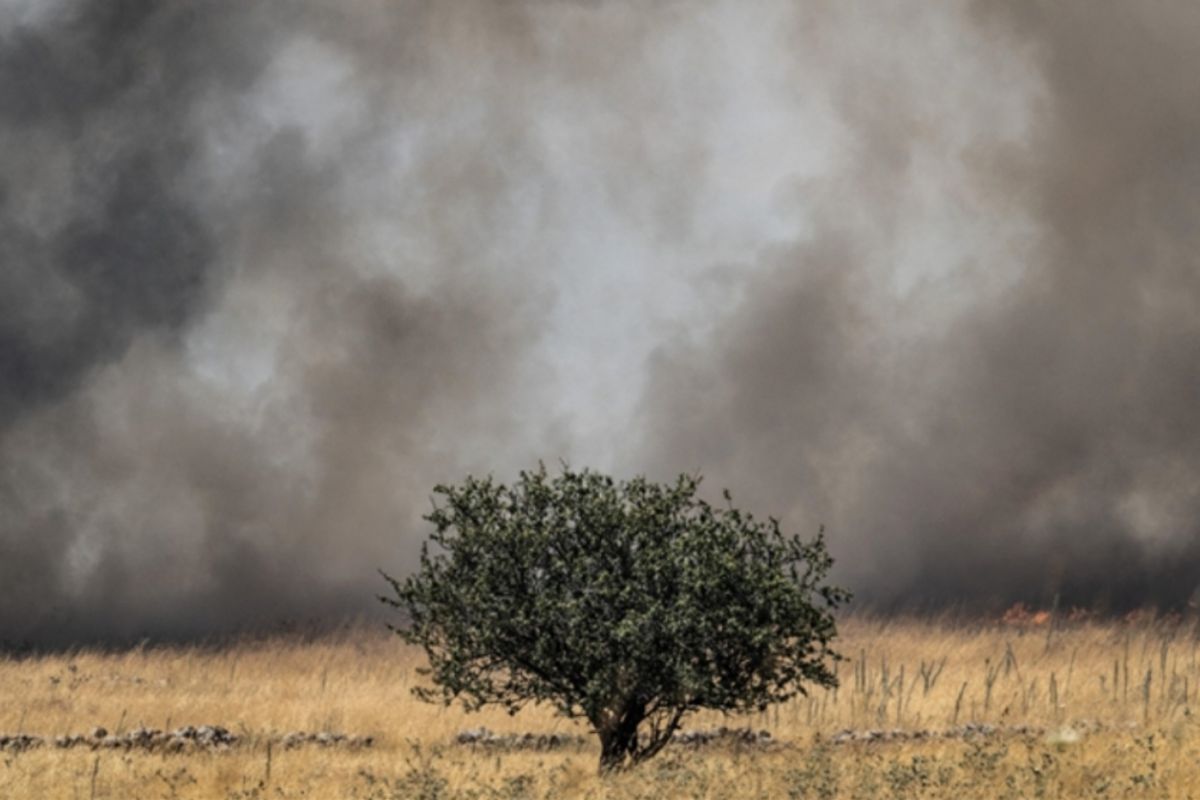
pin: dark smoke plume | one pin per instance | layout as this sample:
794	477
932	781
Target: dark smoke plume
270	270
1029	440
219	407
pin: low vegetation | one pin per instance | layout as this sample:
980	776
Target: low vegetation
926	708
629	605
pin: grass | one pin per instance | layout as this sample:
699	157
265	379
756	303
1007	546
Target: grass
1082	709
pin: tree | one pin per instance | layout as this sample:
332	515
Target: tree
628	604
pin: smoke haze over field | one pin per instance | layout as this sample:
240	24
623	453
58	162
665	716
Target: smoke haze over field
1025	425
925	273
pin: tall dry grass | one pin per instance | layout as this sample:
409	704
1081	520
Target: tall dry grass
1082	709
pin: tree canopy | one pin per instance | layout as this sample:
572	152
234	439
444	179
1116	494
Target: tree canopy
628	604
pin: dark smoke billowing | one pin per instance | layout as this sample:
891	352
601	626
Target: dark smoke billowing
268	271
1039	437
230	371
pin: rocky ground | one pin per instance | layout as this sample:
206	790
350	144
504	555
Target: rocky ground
186	738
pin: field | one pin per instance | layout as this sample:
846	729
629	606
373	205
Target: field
927	708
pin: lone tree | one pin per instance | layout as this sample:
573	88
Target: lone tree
629	604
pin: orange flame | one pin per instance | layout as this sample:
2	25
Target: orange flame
1020	614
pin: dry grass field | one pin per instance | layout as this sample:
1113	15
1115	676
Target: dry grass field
937	709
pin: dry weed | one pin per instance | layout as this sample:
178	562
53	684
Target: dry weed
926	708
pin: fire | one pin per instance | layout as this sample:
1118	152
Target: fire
1021	614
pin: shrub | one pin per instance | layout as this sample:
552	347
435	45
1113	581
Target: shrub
628	604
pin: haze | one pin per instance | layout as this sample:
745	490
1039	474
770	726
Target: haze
923	273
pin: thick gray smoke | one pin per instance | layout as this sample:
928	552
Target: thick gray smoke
269	271
251	313
1020	422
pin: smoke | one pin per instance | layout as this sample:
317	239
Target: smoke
270	271
1015	419
251	314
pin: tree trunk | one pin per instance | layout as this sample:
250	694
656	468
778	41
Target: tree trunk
615	751
619	740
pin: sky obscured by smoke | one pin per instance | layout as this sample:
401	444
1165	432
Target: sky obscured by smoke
925	273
